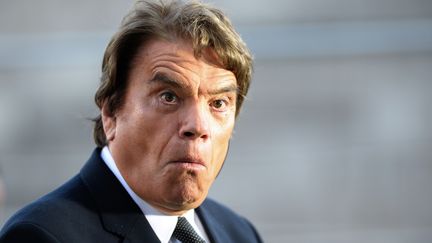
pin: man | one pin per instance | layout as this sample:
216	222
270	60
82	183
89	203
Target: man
173	80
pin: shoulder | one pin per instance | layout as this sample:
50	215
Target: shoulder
51	217
222	218
27	232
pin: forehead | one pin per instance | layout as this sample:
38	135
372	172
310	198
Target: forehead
177	46
178	57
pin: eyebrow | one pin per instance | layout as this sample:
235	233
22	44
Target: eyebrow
164	78
231	88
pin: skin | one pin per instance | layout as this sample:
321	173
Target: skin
171	136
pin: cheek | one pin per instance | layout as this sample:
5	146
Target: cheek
220	146
145	131
154	131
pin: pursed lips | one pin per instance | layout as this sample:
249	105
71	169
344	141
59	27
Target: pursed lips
190	161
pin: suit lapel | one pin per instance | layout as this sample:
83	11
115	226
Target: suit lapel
214	229
119	213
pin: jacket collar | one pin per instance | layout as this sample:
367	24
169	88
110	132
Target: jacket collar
214	228
119	213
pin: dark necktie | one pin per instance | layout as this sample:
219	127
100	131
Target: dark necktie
185	233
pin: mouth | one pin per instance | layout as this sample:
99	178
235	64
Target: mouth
189	162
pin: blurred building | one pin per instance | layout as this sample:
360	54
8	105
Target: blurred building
334	142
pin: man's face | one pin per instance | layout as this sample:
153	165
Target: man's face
170	137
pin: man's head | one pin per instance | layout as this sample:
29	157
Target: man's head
173	80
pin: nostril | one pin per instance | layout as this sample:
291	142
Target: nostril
188	134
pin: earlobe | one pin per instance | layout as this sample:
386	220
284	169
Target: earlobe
109	122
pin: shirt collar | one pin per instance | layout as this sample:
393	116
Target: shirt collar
163	225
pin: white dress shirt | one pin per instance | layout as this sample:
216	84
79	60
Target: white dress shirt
163	225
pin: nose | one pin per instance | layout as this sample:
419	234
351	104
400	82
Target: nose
195	122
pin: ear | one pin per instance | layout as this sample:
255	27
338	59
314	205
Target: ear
108	122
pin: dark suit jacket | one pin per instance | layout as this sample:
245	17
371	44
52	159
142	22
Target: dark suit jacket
94	207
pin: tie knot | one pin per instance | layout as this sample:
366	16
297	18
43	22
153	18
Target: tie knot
185	233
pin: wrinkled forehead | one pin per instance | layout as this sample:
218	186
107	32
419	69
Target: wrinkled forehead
176	47
179	56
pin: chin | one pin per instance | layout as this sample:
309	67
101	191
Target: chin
188	197
185	192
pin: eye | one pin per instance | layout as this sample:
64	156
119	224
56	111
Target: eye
169	97
219	104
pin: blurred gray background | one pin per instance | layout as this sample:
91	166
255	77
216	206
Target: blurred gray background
333	144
